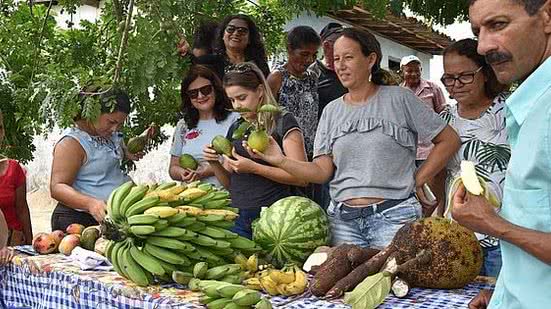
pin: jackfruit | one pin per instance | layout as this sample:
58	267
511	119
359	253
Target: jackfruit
456	254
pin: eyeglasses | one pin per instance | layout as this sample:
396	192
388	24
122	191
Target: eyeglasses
240	30
463	78
194	93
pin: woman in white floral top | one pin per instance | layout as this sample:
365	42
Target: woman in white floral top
479	119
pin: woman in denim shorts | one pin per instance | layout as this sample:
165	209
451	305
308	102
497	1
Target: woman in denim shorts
365	146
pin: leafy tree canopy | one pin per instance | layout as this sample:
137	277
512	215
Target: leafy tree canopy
43	67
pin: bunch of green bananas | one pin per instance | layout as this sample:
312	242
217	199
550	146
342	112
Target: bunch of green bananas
155	237
220	295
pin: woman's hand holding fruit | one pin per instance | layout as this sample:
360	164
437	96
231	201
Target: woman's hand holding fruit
273	154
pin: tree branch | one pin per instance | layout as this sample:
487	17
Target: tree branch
124	41
37	46
118	10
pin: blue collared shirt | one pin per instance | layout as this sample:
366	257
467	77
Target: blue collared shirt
524	280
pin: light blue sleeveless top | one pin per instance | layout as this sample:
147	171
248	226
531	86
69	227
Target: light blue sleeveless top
101	172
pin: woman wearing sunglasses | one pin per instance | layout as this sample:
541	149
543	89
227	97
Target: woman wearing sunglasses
479	119
237	40
205	115
254	184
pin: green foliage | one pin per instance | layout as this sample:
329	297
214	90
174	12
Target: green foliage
43	68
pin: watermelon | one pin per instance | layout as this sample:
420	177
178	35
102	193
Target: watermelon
291	229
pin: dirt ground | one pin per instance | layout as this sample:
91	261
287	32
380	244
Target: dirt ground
41	206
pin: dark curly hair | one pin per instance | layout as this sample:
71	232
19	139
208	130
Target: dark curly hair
302	36
204	35
112	100
221	102
254	51
468	48
369	44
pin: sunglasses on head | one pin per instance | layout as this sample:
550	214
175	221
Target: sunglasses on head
194	93
240	30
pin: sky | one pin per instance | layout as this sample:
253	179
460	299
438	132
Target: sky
456	31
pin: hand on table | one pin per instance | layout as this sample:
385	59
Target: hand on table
481	300
6	254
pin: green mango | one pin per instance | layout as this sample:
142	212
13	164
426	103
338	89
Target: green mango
188	161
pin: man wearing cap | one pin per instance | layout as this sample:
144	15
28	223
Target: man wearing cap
329	85
427	91
329	89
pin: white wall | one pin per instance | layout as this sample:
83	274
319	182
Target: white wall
389	48
85	12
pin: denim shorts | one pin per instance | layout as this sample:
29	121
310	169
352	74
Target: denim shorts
374	231
492	261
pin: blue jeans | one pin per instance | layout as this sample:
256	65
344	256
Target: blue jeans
243	223
373	231
492	261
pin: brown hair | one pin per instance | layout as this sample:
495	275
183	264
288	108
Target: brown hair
250	77
468	48
221	102
369	44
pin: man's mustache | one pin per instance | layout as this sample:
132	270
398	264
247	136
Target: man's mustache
497	57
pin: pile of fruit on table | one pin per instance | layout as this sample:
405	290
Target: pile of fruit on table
166	233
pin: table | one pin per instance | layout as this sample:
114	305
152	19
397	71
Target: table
54	281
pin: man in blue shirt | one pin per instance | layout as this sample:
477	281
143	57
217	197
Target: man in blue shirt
515	38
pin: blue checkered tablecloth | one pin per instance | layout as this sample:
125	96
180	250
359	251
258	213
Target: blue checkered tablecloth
21	286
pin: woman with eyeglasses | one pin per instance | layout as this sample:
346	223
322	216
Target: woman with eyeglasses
205	115
237	40
479	119
253	183
365	146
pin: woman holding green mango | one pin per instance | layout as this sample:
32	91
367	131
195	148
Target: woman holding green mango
253	183
205	115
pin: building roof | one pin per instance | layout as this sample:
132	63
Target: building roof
407	31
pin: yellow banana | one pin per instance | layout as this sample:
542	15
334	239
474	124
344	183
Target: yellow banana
268	285
470	179
161	211
252	263
241	260
298	286
253	283
177	189
190	210
280	277
192	193
165	195
228	215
